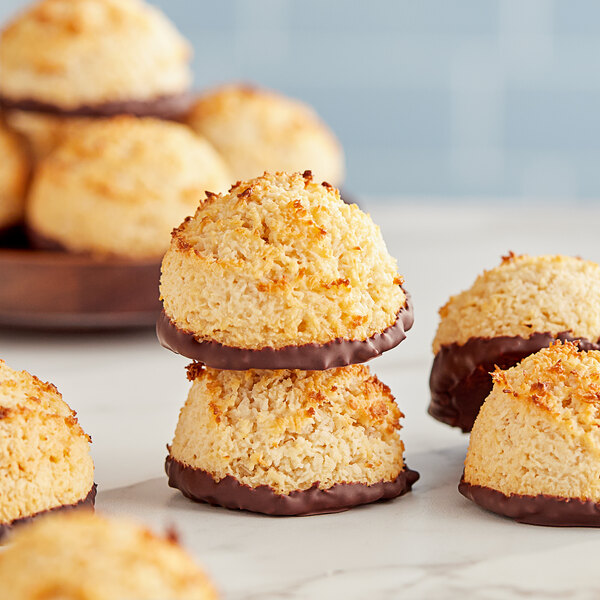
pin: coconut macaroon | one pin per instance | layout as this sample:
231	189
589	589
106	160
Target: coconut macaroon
90	58
259	130
79	556
534	453
118	187
280	273
288	442
42	132
45	461
14	170
509	312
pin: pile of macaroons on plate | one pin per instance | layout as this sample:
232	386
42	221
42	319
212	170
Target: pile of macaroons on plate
97	107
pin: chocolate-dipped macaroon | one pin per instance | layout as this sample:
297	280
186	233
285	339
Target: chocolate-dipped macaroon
118	187
534	452
14	170
257	130
288	442
509	312
280	273
88	557
45	461
62	60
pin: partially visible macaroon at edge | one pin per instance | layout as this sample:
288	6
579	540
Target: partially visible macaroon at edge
510	312
82	555
87	503
93	58
45	461
65	63
534	452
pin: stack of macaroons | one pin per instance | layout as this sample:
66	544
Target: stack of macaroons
258	130
119	186
64	62
278	288
82	556
14	171
510	312
534	452
45	461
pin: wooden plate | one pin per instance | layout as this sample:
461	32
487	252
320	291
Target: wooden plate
57	290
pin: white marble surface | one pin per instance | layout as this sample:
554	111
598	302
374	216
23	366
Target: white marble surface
431	543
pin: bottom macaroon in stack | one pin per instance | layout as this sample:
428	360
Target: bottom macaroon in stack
45	461
534	453
288	442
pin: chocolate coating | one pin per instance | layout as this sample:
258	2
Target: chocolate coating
38	241
200	486
551	511
13	237
460	377
88	502
171	107
308	357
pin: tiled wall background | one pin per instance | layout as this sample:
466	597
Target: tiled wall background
429	97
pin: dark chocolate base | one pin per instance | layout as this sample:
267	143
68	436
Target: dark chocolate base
38	241
460	377
308	357
88	502
170	107
200	486
13	237
551	511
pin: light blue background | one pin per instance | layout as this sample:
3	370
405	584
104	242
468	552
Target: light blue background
429	97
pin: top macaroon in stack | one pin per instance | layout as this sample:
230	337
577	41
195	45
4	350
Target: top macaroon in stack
278	289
